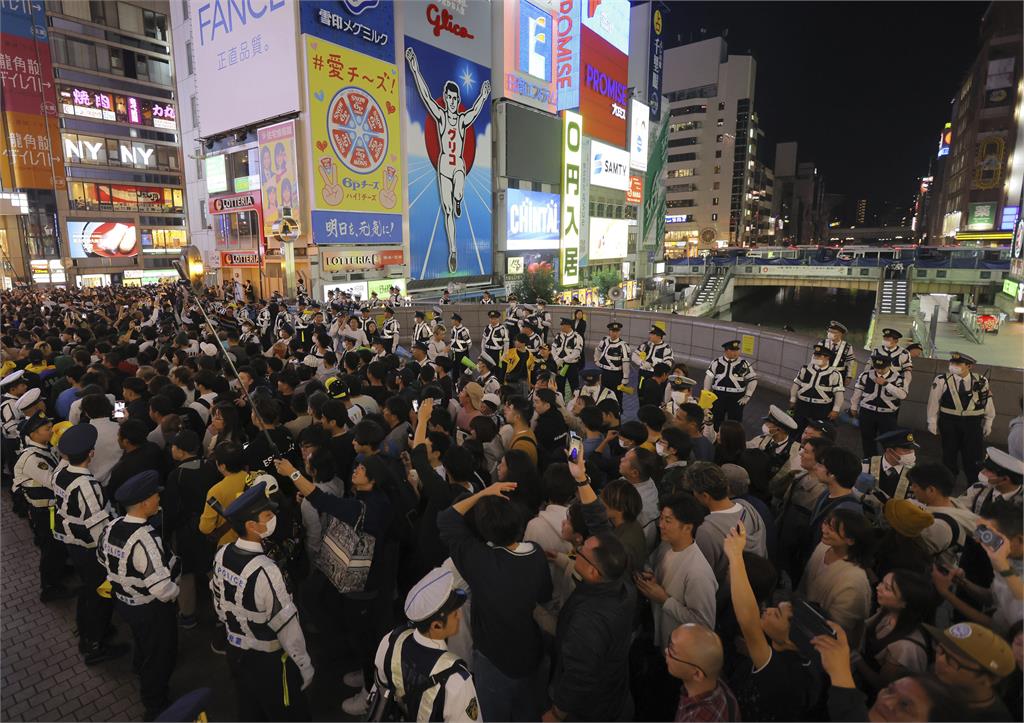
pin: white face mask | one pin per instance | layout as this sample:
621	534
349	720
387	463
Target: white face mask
590	391
955	369
984	479
766	429
271	526
661	448
908	459
679	397
833	336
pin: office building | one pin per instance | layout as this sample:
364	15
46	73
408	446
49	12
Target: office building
799	200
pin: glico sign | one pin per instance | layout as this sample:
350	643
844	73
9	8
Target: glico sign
604	95
572	208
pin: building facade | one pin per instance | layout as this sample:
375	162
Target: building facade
799	200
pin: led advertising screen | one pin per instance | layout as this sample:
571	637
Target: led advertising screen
945	140
533	144
532	220
568	26
604	92
102	239
529	53
609	238
610	20
609	167
639	120
572	206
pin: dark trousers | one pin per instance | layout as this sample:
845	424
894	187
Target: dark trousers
962	444
368	619
727	406
873	424
805	411
268	686
52	554
503	698
611	379
389	345
155	634
93	612
457	357
573	375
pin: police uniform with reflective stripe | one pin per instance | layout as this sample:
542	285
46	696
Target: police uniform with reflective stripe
961	524
423	331
877	405
428	682
778	452
962	409
843	358
612	357
10	415
979	494
495	341
599	396
900	360
815	393
490	384
541	321
732	381
649	354
567	350
461	339
533	344
389	333
883	482
266	644
32	474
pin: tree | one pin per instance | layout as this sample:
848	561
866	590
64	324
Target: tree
537	283
605	280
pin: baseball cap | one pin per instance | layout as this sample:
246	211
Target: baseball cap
978	644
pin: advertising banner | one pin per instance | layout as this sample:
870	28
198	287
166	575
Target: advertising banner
354	124
572	208
657	58
999	83
610	20
337	260
568	26
609	238
981	216
448	137
532	262
635	192
945	140
989	161
654	190
529	52
248	259
279	182
366	26
532	220
609	166
102	239
639	122
101	105
240	48
462	27
604	95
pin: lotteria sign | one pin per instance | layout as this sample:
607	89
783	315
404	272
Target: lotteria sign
239	258
567	54
569	232
366	259
238	202
604	92
609	166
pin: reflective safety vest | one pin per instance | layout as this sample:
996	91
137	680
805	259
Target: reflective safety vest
130	584
970	403
416	675
79	512
235	574
902	484
32	473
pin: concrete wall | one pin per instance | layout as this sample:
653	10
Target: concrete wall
777	356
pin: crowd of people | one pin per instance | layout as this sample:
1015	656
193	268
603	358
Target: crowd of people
515	529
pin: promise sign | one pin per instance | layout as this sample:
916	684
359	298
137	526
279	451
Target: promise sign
572	160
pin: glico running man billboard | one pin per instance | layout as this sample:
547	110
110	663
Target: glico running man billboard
448	140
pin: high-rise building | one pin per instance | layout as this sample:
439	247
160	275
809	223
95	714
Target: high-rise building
981	188
862	211
91	141
712	145
799	200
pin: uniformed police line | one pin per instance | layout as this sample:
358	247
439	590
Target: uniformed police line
125	561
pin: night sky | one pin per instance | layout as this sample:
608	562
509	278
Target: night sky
864	88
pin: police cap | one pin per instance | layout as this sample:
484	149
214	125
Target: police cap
433	596
657	330
822	350
494	314
249	504
823	426
591	375
420	315
880	361
892	333
779	417
456	316
962	358
680	382
487	359
29	398
837	326
138	488
1002	463
733	345
389	310
614	326
914	345
12	377
31	424
899	439
78	440
566	321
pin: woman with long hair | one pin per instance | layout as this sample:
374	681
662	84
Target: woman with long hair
225	425
516	466
732	440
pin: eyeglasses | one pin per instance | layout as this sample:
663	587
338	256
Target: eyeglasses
579	553
954	662
669	653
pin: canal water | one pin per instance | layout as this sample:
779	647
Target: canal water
807	310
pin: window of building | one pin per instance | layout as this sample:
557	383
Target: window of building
104	13
154	25
720	123
679	157
721	106
130	18
683	203
189	60
675	143
714	201
200	162
77	9
194	104
184	9
203	219
718	154
716	185
682	173
688	109
719	137
718	169
714	217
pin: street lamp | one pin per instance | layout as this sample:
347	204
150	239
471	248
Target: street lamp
190	267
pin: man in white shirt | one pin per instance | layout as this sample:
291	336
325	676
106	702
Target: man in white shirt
96	409
637	467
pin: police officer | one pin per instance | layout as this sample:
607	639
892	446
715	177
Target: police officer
817	390
567	350
512	319
899	358
142	575
267	650
487	366
32	472
876	398
13	385
778	434
678	392
612	358
884	477
541	319
495	340
414	668
733	381
461	340
651	352
592	387
422	331
961	411
842	352
389	330
78	519
1000	478
533	339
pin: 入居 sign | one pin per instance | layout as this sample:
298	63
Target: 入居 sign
639	123
609	166
604	92
239	258
572	209
532	220
238	44
362	259
567	54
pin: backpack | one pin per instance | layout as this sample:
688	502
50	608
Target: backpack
383	705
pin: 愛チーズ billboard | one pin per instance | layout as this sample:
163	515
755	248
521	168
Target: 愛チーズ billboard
102	239
604	92
532	220
609	238
448	140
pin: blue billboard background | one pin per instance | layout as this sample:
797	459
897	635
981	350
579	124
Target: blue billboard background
367	26
428	243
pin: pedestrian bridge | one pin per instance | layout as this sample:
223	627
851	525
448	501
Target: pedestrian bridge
777	356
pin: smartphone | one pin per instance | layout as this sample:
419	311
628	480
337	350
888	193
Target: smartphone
120	411
575	447
460	437
808	623
415	405
987	537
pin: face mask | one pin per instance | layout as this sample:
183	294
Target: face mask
271	526
661	448
984	479
766	429
955	369
832	336
589	391
908	460
679	397
576	576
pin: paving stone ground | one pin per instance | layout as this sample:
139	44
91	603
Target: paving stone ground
44	679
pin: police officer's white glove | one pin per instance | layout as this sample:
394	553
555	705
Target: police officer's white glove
933	427
743	401
307	675
987	430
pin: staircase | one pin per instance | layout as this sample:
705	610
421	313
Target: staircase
709	288
894	296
